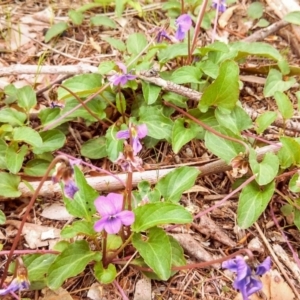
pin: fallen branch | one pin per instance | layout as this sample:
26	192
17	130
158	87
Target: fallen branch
263	33
109	183
35	69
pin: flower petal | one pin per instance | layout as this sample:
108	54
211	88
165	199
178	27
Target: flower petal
253	286
136	145
117	202
113	225
99	225
130	77
122	67
264	267
184	22
179	35
123	79
123	134
114	79
127	217
142	131
70	188
105	206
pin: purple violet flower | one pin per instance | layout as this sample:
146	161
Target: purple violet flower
221	4
162	34
246	282
121	78
70	188
65	174
112	215
184	23
137	133
18	284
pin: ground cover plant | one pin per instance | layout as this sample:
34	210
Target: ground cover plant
127	142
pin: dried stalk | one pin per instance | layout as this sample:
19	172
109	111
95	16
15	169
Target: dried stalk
109	183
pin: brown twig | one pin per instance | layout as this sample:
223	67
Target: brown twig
263	33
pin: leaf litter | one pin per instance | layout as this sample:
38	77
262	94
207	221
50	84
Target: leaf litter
32	24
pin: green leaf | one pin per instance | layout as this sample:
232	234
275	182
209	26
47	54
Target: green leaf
190	130
224	91
70	262
284	104
255	10
115	43
78	228
114	242
159	126
81	84
274	83
48	115
289	153
82	205
265	120
121	103
52	140
136	43
113	145
293	186
221	147
172	51
105	276
12	116
95	105
178	258
105	67
26	97
9	185
37	265
284	66
156	214
27	135
55	30
297	218
176	182
262	23
3	148
36	167
155	251
293	17
15	157
237	121
2	217
186	74
101	20
209	68
252	203
150	92
95	148
76	17
257	48
265	170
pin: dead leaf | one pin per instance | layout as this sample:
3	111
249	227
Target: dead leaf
225	17
194	248
143	289
59	294
35	234
56	211
95	292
